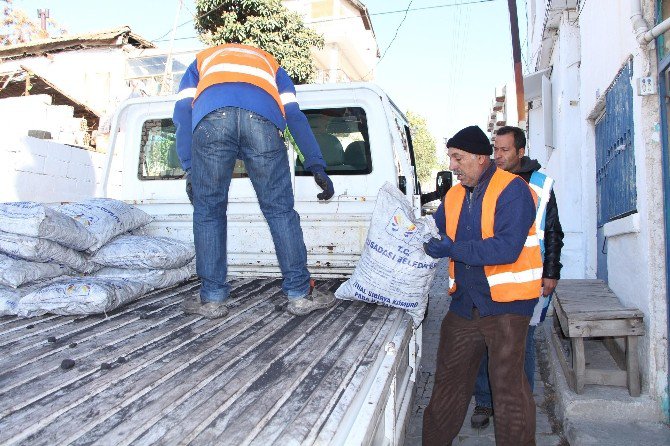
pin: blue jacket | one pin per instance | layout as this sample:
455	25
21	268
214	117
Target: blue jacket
187	113
515	213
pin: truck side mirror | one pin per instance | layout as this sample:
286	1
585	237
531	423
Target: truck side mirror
443	183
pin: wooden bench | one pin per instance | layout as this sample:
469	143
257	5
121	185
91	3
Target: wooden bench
589	309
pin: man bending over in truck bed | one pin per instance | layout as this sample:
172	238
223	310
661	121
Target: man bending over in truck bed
234	102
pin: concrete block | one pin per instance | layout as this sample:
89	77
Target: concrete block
39	134
81	156
34	145
26	101
59	151
80	171
589	433
27	162
29	186
85	189
55	167
62	189
7	188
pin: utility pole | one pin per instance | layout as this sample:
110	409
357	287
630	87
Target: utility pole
43	14
516	55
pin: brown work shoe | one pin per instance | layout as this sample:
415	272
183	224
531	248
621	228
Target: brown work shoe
481	417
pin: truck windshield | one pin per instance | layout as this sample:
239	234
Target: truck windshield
342	134
158	153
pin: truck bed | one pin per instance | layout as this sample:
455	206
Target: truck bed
148	374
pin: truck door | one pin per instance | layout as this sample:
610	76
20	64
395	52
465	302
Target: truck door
335	231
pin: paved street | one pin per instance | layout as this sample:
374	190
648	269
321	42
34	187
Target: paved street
549	431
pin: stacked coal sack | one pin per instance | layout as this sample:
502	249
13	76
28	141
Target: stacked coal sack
158	262
103	219
86	280
38	244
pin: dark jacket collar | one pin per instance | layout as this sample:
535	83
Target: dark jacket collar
484	179
527	167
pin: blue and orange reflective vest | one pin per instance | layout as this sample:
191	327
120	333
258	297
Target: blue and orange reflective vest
521	280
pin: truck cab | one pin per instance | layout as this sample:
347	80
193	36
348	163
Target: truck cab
365	141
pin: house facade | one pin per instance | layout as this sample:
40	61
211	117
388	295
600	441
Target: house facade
597	122
503	110
85	75
350	52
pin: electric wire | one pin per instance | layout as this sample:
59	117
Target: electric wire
397	30
579	13
446	5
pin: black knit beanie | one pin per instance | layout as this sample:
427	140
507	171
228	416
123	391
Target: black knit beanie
471	139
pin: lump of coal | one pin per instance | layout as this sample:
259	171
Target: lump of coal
67	364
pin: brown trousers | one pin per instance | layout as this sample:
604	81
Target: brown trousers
462	344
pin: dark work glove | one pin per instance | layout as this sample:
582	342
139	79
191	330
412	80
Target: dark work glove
438	247
189	187
323	181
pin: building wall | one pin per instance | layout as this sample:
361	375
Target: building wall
590	48
40	169
635	255
350	51
94	76
558	155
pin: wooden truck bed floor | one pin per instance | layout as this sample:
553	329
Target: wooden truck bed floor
149	374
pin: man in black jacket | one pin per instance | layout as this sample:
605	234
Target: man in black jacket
509	153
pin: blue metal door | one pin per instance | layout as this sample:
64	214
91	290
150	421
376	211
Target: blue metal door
615	159
664	96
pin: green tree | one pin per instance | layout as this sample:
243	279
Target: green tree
424	146
17	27
266	24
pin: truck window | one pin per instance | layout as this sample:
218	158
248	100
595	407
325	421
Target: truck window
342	134
158	153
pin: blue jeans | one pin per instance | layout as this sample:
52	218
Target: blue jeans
482	385
220	138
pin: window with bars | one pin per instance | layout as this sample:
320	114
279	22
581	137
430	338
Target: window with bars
615	151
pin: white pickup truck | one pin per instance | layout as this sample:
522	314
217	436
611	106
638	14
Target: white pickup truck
148	374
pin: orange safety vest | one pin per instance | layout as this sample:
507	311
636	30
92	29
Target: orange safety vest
238	63
521	280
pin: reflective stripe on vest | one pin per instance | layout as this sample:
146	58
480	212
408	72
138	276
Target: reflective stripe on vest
541	185
238	63
520	280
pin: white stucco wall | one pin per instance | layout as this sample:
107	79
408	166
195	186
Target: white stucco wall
566	147
587	56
